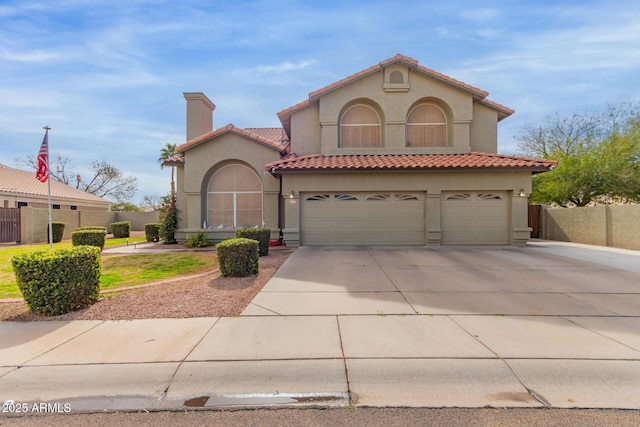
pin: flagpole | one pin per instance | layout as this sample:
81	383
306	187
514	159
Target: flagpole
47	129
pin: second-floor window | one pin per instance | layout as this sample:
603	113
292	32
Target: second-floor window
426	127
359	127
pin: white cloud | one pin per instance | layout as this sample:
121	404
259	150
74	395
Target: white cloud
36	56
280	68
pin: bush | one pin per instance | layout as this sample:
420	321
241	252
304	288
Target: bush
169	219
89	237
57	229
238	257
121	229
152	231
198	240
262	235
59	281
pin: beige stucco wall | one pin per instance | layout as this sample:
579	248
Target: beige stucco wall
34	222
617	226
306	131
433	183
203	160
471	126
484	129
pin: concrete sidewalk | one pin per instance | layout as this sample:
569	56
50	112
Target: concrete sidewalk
429	327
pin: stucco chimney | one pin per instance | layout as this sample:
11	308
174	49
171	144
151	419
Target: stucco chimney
199	114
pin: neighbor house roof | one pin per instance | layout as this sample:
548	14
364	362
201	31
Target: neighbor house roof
19	182
274	138
376	162
478	94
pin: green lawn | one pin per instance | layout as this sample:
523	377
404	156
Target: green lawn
117	271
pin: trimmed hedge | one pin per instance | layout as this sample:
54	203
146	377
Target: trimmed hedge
59	281
152	231
262	235
92	228
238	257
121	229
57	229
94	237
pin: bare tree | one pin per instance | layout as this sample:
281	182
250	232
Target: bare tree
152	202
558	134
107	181
59	167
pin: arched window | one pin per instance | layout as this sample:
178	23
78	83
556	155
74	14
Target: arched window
359	127
234	198
426	127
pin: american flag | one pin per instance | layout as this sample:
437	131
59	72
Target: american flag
42	174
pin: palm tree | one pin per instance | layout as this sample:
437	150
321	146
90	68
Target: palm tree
166	153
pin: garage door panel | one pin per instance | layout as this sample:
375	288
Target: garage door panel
475	218
363	218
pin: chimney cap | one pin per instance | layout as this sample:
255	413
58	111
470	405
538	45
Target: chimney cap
199	96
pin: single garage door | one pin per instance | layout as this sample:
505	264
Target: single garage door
475	218
362	218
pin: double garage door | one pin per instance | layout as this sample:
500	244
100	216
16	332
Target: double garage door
363	219
467	218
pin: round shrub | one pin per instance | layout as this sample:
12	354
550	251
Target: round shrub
57	229
60	281
238	257
262	235
121	229
152	231
89	237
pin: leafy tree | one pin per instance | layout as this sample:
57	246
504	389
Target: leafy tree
166	153
603	166
124	207
106	180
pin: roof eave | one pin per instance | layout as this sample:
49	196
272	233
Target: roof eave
275	171
222	131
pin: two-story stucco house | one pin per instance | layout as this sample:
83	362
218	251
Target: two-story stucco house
396	154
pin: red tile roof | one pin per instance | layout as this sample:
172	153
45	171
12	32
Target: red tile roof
19	182
380	162
476	93
271	137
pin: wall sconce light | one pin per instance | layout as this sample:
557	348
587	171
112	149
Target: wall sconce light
291	195
522	193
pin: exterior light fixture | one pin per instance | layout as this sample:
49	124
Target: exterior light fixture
291	195
522	193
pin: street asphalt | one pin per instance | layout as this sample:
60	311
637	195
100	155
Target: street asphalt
549	325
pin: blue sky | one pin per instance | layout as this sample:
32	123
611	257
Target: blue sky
107	76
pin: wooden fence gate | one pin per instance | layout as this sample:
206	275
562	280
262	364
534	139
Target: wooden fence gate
534	219
9	225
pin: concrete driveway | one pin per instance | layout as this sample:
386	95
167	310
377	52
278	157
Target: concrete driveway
529	281
445	326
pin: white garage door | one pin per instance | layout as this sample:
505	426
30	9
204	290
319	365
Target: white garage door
362	218
475	218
